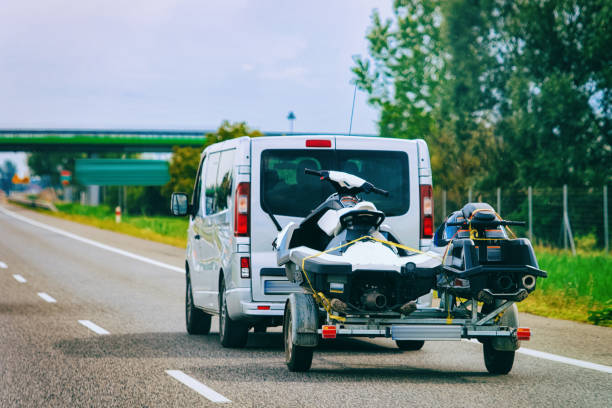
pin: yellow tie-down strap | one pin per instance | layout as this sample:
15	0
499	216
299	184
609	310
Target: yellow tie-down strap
320	297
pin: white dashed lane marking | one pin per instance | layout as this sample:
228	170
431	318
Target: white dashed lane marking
3	265
197	386
20	278
46	297
93	327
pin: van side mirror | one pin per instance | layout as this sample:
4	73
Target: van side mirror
179	204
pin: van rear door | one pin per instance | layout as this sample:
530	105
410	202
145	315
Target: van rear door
278	164
388	170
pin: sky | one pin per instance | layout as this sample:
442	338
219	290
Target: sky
159	64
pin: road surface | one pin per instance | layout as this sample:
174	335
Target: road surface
84	324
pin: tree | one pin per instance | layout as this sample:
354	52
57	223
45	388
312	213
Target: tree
51	163
7	171
507	93
185	160
404	69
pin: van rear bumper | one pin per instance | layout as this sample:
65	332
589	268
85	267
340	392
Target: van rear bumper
240	305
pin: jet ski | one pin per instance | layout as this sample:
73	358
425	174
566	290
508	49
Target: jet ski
480	260
352	263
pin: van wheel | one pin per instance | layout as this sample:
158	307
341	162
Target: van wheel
231	333
196	320
297	358
497	361
410	345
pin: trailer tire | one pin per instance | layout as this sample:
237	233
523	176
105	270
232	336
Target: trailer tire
410	345
496	361
297	358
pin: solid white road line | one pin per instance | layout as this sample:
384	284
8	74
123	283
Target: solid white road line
559	359
19	278
197	386
91	242
566	360
93	327
3	265
46	297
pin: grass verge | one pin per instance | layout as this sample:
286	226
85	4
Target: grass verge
167	230
578	287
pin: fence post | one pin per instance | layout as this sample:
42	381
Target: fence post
470	195
530	209
443	204
605	215
498	208
568	229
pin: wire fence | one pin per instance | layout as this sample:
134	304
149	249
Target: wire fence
587	213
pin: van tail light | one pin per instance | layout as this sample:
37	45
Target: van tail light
427	211
245	267
241	210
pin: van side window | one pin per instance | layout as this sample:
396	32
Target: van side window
195	199
210	180
224	181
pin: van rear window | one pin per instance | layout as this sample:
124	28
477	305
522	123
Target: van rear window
286	190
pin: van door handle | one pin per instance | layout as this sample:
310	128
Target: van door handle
197	237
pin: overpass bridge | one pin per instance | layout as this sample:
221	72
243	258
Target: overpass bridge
112	140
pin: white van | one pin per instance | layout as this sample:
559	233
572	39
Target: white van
248	188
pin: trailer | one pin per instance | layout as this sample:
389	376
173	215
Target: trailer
494	325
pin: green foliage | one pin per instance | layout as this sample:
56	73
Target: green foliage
603	315
50	164
586	275
506	93
185	160
587	243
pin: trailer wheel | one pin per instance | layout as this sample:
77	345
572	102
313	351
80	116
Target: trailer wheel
496	361
410	345
297	358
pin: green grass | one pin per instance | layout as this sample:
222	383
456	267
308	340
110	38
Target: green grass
576	286
167	230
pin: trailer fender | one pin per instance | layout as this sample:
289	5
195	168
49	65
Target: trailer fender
304	319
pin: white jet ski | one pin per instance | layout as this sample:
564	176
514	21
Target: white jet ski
343	252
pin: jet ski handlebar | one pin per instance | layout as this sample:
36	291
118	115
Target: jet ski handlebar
347	183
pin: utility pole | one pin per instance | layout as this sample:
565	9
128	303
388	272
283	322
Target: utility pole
498	208
567	231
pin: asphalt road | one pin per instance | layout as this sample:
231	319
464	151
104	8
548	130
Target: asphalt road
48	358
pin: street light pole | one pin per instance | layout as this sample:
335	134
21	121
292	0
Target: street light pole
291	118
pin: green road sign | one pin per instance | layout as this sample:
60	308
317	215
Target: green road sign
122	172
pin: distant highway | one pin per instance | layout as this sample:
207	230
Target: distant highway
94	318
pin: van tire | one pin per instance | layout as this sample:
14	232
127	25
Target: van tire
196	320
232	334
